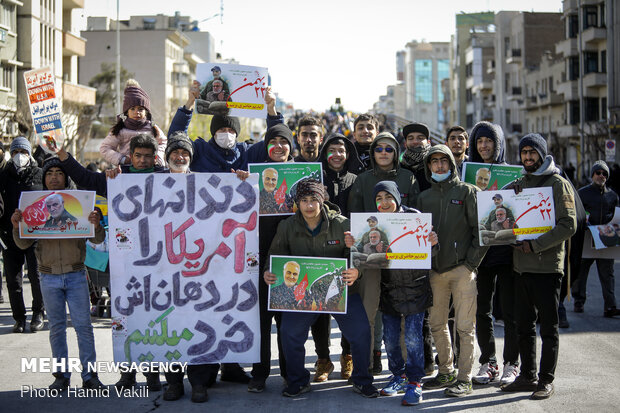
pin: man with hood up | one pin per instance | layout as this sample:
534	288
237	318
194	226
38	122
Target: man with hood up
416	147
384	151
539	267
487	146
455	220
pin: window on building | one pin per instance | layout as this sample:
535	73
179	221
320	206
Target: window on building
601	9
603	108
443	72
7	16
551	88
592	112
573	112
506	46
469	70
424	81
603	61
468	95
590	62
508	120
469	121
573	68
8	78
506	82
573	26
590	17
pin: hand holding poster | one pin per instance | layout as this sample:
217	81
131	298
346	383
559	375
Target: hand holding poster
505	217
56	214
234	90
490	177
278	184
184	267
391	240
306	284
44	108
606	235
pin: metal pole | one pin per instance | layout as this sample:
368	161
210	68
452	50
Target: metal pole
118	60
582	138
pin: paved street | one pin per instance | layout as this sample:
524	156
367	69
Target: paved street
587	376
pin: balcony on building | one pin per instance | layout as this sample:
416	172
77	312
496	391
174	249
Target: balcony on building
484	86
531	102
566	47
595	79
490	67
469	82
515	93
567	131
514	56
73	45
549	98
76	93
490	102
592	36
569	90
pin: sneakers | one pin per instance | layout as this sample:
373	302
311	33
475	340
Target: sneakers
562	320
487	373
578	308
256	385
152	381
127	381
366	390
294	391
377	368
199	394
396	385
459	389
174	392
543	391
93	383
521	384
233	372
346	366
611	312
413	395
19	326
37	323
509	374
440	380
61	383
324	367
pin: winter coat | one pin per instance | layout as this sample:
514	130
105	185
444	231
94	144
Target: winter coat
600	203
454	207
293	238
13	184
361	197
405	292
549	249
114	147
339	184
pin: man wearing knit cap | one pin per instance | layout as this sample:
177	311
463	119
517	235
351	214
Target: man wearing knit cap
539	267
179	152
417	145
21	173
600	202
318	230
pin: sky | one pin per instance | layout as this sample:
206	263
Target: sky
319	50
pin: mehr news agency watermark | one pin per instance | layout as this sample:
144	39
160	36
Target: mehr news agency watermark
72	365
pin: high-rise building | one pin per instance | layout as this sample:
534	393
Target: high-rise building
8	70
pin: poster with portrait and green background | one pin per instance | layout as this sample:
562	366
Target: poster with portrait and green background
278	184
490	177
308	284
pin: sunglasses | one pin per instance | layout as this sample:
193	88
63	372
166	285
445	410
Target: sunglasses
380	149
599	172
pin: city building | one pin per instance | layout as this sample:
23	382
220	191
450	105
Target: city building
9	64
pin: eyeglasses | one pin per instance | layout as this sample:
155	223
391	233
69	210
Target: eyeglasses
599	172
380	149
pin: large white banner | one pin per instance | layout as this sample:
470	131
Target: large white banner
184	268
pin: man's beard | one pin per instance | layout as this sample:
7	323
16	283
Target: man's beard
179	167
534	167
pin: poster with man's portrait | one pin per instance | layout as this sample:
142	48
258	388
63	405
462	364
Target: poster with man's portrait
507	218
56	214
278	184
606	235
391	240
232	90
489	177
308	284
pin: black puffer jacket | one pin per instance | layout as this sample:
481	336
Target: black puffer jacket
405	292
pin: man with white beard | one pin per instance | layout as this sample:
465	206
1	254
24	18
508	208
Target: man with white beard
179	152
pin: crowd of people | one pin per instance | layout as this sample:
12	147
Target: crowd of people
363	171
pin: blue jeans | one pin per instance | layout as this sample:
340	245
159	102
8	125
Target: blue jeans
414	340
70	288
354	326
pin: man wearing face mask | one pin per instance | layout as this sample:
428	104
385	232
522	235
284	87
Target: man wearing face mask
20	174
417	146
221	153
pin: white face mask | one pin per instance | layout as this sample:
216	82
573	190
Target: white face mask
225	140
21	160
